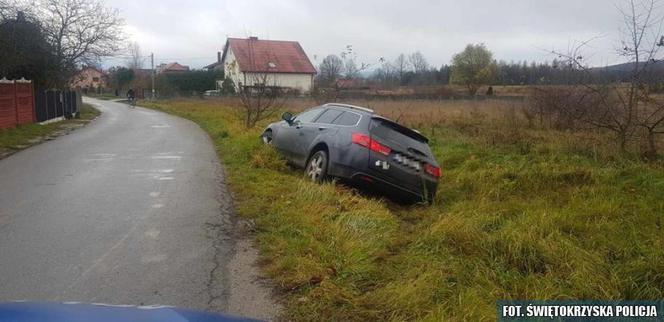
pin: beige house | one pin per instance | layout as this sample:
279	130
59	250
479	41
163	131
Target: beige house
89	77
251	62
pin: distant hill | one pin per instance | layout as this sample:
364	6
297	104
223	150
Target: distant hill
628	67
622	72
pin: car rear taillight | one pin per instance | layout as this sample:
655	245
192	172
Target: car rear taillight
361	139
432	170
373	145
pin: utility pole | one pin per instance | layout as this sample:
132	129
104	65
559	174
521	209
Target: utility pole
153	73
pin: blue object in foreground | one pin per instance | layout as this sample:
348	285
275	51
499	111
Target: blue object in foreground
78	312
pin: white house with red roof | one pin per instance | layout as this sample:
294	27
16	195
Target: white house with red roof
172	68
90	78
253	61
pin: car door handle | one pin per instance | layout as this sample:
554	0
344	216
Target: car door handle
322	128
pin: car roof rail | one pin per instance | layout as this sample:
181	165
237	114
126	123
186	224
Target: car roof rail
364	109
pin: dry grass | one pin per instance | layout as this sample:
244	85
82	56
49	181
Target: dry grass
530	217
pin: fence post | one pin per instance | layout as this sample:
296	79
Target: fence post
24	97
34	103
8	92
61	102
16	111
48	116
65	105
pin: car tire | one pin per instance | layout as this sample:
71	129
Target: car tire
267	137
316	169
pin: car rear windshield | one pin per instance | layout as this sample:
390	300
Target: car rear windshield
399	137
401	129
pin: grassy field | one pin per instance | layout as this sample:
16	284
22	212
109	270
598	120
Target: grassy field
26	135
521	213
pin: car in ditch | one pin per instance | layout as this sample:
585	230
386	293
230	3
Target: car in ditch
355	144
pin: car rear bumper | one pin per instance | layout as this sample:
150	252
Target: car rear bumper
364	176
391	188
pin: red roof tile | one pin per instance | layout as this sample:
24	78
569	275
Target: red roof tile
175	67
270	56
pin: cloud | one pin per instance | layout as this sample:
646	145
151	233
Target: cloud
192	32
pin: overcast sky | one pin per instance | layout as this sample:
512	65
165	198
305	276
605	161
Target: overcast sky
191	32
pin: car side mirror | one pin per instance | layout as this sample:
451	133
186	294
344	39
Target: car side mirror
288	117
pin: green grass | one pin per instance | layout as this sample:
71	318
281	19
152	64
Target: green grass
508	223
25	135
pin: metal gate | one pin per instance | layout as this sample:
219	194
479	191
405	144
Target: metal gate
54	104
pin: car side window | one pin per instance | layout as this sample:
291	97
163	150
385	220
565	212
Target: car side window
308	116
347	119
329	116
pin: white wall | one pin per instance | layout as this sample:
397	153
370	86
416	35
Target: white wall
303	82
232	69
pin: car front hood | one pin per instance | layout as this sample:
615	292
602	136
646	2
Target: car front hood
78	312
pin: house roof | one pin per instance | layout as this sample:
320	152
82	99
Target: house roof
93	69
175	67
269	56
213	65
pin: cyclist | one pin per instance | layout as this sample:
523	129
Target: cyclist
131	97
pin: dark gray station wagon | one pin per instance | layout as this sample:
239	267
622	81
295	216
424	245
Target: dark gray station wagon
355	144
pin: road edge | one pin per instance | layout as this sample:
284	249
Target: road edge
62	130
235	285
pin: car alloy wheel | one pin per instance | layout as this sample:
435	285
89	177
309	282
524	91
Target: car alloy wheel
267	137
317	167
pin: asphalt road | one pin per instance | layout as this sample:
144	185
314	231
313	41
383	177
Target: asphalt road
128	210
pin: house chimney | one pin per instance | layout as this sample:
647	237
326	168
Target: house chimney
219	57
253	38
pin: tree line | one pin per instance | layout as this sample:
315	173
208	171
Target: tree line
473	67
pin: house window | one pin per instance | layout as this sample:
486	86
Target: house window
95	79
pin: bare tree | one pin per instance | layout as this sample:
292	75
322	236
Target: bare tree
652	121
642	41
263	99
80	31
330	69
136	60
624	109
401	66
351	70
419	63
386	73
